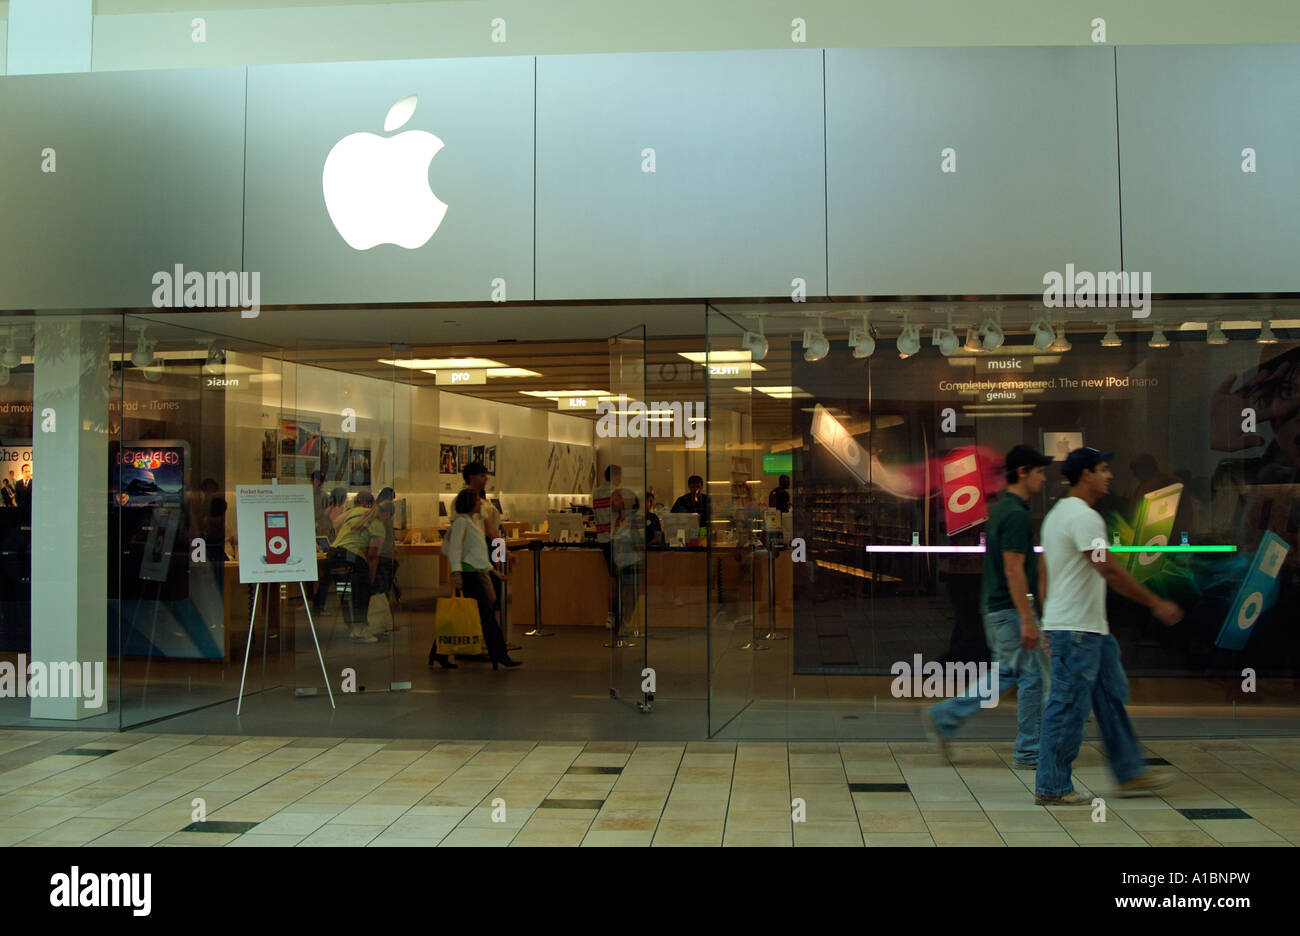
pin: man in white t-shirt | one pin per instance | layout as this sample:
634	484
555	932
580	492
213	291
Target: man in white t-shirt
488	520
1086	670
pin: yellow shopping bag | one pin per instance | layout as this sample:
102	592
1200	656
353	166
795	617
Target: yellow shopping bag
457	627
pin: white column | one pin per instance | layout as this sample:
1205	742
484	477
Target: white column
70	505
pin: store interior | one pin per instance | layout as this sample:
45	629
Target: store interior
742	640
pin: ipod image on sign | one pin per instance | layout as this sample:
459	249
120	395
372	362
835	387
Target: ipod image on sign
1154	525
1258	592
277	536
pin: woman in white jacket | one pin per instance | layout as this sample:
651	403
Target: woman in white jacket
466	550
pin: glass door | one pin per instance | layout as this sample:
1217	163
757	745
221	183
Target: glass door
623	425
731	518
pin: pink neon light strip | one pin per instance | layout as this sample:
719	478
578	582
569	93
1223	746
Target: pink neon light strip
932	549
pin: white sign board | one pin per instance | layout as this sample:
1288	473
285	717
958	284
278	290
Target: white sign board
277	533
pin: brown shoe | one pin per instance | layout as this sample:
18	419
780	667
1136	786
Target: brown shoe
1143	785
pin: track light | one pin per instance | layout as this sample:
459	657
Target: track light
992	335
755	342
1158	339
154	373
863	340
1111	339
143	355
1060	342
1043	334
1214	334
972	340
945	338
215	365
909	339
1266	335
815	344
11	357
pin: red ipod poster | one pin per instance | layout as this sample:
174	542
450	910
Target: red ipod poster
276	533
964	505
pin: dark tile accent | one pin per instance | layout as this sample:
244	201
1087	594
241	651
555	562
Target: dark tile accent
878	788
1215	813
237	828
594	770
571	804
1155	762
88	751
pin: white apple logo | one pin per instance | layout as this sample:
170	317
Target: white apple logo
377	188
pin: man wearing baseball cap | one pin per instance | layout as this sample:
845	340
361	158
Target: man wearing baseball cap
1006	602
1086	670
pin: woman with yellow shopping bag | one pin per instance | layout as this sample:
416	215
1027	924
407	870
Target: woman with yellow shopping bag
466	552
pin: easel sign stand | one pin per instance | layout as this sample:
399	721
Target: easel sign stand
277	534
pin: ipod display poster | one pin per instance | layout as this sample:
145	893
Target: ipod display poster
277	533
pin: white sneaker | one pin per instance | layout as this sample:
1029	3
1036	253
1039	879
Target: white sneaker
363	637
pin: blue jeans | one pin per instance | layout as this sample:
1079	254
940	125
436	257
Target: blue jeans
1024	669
1086	674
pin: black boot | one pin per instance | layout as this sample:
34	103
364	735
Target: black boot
442	660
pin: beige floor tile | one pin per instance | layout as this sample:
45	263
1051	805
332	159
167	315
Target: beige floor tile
626	820
478	838
265	841
1179	838
687	808
750	839
878	822
1151	820
1111	832
292	824
610	838
827	833
491	817
209	839
74	831
122	838
362	814
689	832
1039	839
965	833
884	802
1024	820
1279	820
759	820
341	836
619	800
1237	831
896	840
768	799
799	777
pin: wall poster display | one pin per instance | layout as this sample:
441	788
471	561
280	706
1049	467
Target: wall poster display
334	463
490	459
359	467
447	460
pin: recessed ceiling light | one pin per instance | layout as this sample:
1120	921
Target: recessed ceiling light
435	363
556	394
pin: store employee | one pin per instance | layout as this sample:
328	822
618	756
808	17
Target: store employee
695	502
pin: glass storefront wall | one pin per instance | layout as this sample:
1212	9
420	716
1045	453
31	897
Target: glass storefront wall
880	451
895	459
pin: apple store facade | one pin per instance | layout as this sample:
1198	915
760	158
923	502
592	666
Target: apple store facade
738	339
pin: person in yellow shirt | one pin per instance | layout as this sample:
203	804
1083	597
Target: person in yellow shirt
360	535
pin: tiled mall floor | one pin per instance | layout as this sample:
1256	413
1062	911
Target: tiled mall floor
77	788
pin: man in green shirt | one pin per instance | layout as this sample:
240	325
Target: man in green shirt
1012	577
